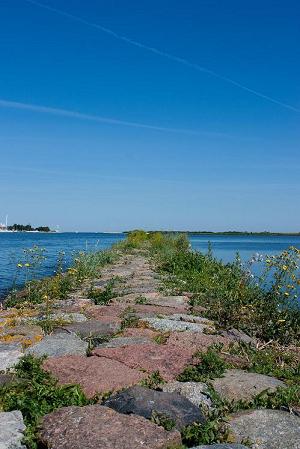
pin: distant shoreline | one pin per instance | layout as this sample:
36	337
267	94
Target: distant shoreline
244	233
229	233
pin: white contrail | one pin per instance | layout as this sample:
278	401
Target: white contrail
100	119
178	59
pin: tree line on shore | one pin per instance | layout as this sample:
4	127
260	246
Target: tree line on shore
28	227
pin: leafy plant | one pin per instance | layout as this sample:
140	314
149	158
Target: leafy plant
129	318
162	420
153	381
272	360
161	338
102	297
214	430
141	300
211	365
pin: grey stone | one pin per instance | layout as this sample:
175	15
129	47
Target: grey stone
267	429
222	446
59	344
11	430
10	353
167	325
124	341
196	392
169	301
29	331
238	384
147	403
239	336
92	328
190	318
139	289
100	283
72	317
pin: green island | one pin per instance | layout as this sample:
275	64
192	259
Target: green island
215	350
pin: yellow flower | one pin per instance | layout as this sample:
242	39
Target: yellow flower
284	267
287	294
27	265
19	265
281	321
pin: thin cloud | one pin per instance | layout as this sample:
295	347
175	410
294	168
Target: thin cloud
100	119
164	54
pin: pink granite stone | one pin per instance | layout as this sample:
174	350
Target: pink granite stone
98	427
97	312
169	361
113	320
116	310
158	310
195	341
93	374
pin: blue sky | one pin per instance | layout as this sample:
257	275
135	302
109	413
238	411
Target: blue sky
99	133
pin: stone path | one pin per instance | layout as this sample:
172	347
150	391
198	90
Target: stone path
113	348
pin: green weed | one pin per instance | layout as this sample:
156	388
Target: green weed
210	366
102	297
153	381
272	360
141	300
161	338
129	318
162	420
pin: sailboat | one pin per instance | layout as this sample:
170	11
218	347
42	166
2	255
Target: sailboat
4	227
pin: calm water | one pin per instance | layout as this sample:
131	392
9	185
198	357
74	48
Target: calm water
13	244
224	247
